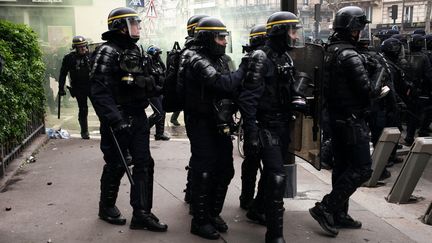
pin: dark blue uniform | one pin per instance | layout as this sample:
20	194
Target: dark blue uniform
120	103
78	68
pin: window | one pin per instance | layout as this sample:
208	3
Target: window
408	14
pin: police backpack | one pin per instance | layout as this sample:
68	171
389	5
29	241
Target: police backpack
171	101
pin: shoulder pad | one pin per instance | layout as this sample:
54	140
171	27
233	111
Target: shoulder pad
196	57
187	53
104	59
346	54
109	49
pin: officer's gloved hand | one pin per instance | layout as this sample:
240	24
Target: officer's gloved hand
251	144
123	134
62	92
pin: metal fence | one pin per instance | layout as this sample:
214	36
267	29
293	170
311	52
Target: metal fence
11	150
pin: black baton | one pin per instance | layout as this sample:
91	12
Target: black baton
58	106
126	167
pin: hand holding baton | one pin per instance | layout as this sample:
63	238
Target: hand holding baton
126	167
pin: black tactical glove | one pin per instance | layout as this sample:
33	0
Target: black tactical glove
123	134
62	92
251	145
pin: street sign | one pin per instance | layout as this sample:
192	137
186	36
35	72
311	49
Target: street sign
135	3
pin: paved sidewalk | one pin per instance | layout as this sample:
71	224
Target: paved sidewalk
55	199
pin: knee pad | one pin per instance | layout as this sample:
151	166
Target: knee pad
275	184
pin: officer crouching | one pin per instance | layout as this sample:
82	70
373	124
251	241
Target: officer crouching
120	87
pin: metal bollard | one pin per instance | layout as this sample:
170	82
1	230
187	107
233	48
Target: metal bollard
412	169
383	149
427	218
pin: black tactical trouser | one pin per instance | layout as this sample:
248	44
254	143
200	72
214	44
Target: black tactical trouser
82	111
352	161
274	139
212	167
141	196
420	116
158	116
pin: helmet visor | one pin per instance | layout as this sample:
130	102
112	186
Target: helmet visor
295	36
134	27
365	35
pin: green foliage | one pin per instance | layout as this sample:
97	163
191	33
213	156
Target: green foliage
21	90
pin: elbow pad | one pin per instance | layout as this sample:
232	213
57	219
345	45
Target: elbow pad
204	69
255	73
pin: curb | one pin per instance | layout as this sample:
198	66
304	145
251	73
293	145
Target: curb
16	163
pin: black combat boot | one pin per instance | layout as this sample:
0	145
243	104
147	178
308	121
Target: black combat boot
174	117
324	216
142	219
142	202
160	129
216	205
110	182
274	208
162	137
256	214
343	220
201	225
82	119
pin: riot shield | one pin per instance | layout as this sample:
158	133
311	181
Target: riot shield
306	136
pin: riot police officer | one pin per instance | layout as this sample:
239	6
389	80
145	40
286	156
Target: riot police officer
348	93
420	75
120	87
158	116
207	88
269	92
76	63
186	53
251	163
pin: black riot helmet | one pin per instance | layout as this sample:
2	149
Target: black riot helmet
207	31
80	44
192	23
285	26
78	41
154	50
124	18
391	48
257	35
401	38
350	19
417	42
419	32
428	42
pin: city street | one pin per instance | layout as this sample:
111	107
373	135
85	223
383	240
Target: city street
55	199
